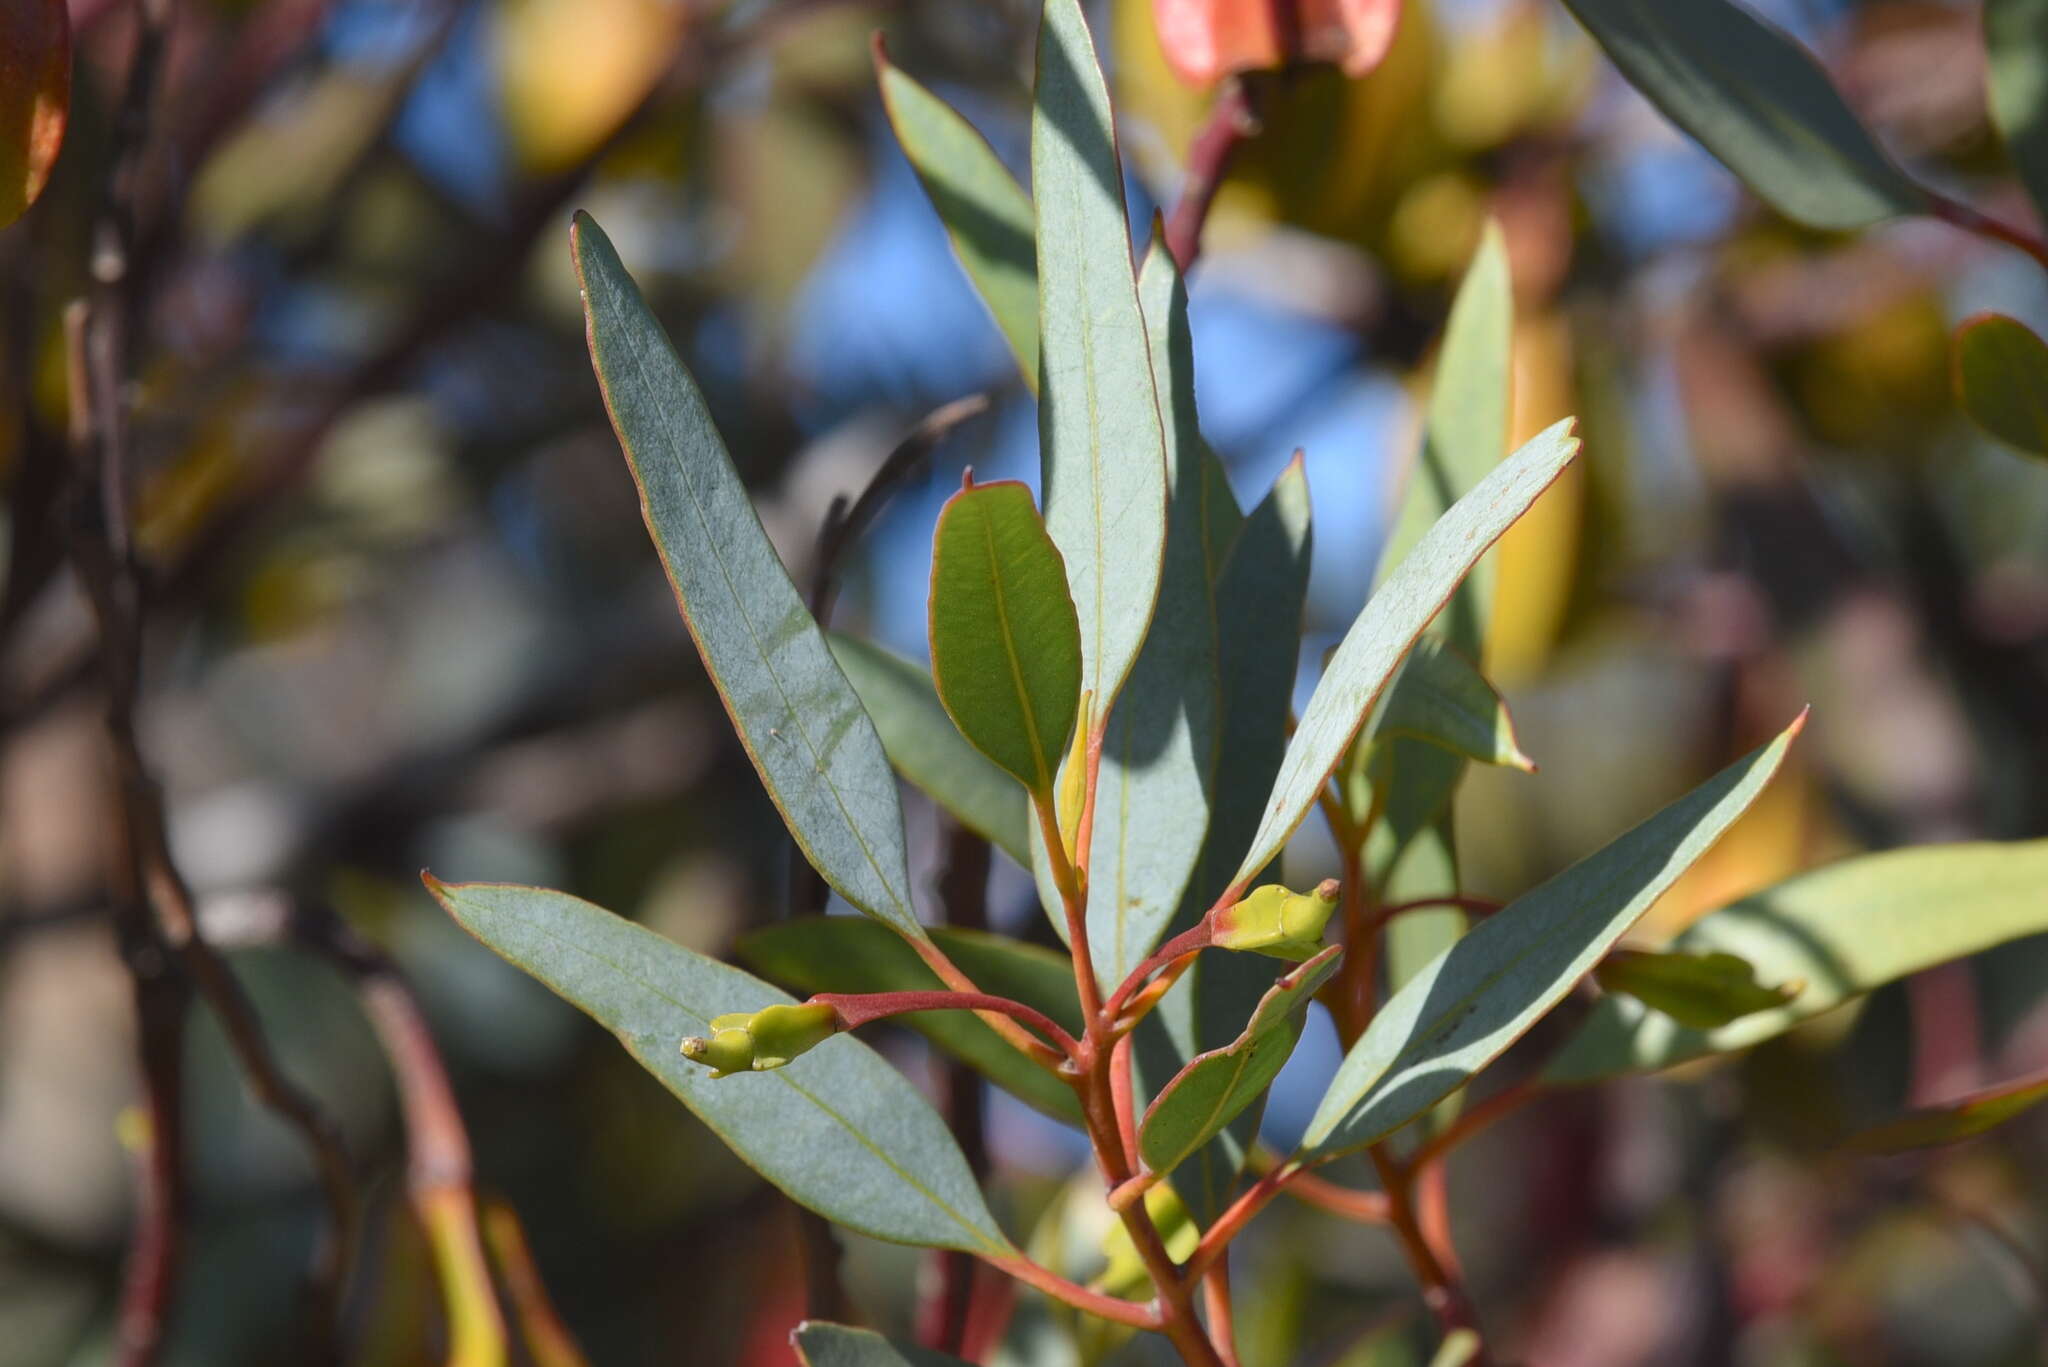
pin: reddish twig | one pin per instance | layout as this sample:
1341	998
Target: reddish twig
1961	215
1474	1119
863	1008
1231	121
548	1340
1442	1290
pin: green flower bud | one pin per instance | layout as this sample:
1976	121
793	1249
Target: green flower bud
755	1041
1272	920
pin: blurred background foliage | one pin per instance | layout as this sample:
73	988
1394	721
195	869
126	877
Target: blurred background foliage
406	616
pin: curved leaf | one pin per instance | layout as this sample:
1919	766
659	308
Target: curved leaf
1384	631
929	750
2001	380
838	1129
1759	102
1842	930
1101	438
986	213
1216	1087
2016	76
1440	699
846	954
1006	652
814	748
819	1344
1954	1121
35	98
1483	993
1704	991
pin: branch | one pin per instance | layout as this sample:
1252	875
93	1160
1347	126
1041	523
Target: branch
1231	121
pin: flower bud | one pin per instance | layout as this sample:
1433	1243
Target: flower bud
1272	920
755	1041
1205	39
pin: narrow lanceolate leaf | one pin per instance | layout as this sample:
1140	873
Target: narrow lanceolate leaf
986	213
1006	652
1441	699
838	1130
1388	626
2001	381
819	1344
1100	434
814	748
1152	790
35	98
1842	930
1478	997
1759	102
1704	991
1216	1087
929	750
847	954
1953	1121
2016	74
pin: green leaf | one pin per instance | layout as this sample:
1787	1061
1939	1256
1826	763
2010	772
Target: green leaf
1006	652
1441	699
926	748
845	954
2016	74
1158	753
1953	1121
819	1344
1704	991
814	748
2001	380
986	213
1101	438
1478	997
1842	930
1384	631
1216	1087
838	1130
1759	102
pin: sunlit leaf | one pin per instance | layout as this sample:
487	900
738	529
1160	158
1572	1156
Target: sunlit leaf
2016	77
1704	991
2001	380
1217	1086
1759	102
1006	651
1482	994
846	954
35	98
834	1345
814	748
1842	930
838	1129
929	750
1953	1121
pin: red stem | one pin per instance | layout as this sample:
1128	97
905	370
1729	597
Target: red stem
1191	941
862	1008
1971	220
1231	121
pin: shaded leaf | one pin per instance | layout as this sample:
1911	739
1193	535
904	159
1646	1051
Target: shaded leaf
1216	1087
1101	436
35	98
2001	380
1441	699
1382	634
814	748
838	1130
1482	994
1759	102
2016	77
986	213
1953	1121
926	748
1006	653
845	954
1842	930
1701	990
819	1344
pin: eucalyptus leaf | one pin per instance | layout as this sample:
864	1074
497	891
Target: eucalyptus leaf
926	748
1384	631
1101	437
2016	76
819	1344
1479	996
1216	1087
1705	991
814	748
838	1129
2001	380
845	954
1759	102
1953	1121
1441	699
1842	931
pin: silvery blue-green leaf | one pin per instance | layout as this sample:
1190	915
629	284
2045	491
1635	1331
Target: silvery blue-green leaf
1382	633
1759	102
1842	931
838	1129
1441	699
926	748
1101	437
986	213
1479	996
1152	792
814	748
819	1344
2016	74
